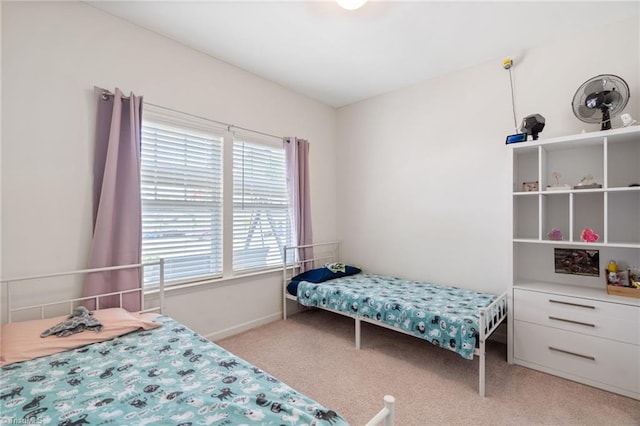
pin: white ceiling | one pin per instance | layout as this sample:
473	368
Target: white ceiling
339	57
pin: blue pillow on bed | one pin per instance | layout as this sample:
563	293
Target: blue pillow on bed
327	272
318	275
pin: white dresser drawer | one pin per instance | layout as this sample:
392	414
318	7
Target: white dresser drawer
590	358
597	318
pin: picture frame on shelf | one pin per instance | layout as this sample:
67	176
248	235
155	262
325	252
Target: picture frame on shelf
577	262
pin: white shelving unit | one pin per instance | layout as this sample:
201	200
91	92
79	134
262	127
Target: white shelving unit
567	324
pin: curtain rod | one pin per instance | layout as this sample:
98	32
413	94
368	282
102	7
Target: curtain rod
106	94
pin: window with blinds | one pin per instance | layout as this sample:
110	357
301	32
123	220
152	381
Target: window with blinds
181	188
261	222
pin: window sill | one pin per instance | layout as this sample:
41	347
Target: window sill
211	281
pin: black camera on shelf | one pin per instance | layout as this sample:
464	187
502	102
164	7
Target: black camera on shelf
532	125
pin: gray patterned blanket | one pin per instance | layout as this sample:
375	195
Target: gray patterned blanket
80	320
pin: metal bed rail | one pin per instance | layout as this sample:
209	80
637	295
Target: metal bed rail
10	282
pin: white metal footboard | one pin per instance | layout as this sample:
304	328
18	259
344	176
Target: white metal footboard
386	416
490	318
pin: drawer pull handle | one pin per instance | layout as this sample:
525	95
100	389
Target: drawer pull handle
572	321
572	353
571	304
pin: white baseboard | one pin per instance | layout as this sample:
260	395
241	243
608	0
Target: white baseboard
243	327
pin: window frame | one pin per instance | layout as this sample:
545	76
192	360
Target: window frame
287	238
175	118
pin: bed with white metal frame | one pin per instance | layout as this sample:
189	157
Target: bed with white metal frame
330	252
385	417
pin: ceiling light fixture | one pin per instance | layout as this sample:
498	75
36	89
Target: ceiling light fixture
351	4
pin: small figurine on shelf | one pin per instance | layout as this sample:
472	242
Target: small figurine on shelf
613	278
587	183
627	120
558	186
555	234
588	236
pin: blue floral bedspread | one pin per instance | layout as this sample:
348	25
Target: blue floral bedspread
166	376
446	316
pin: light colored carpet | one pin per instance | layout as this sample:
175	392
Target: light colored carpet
314	352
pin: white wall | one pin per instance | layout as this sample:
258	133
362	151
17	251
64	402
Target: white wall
53	53
419	190
422	172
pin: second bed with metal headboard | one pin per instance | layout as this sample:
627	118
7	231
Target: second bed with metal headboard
453	318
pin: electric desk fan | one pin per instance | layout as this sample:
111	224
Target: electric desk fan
601	98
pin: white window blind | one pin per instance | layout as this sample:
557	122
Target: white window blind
181	187
261	222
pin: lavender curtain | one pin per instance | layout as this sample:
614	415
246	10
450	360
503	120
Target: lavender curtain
297	156
117	224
